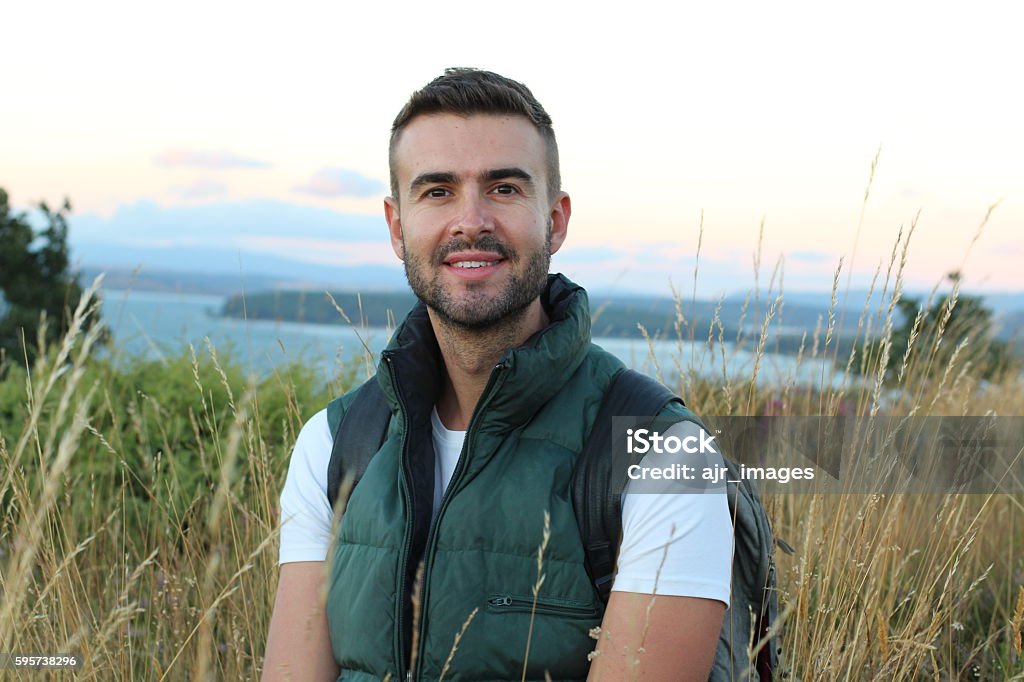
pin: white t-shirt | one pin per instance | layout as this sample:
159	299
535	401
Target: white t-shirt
695	526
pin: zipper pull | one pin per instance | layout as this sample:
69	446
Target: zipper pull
500	601
408	676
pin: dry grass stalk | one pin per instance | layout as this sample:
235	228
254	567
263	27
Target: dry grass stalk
455	643
1017	622
545	537
417	612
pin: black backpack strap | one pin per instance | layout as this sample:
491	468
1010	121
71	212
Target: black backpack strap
361	432
597	484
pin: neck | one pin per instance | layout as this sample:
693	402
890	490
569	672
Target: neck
470	355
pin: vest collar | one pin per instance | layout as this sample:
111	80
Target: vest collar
410	372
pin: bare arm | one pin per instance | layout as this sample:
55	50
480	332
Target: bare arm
669	638
298	646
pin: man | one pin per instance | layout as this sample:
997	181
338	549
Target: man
493	385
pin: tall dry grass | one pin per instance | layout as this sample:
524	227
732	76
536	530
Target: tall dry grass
886	587
106	550
149	555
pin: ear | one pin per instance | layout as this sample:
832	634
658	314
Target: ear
560	212
393	216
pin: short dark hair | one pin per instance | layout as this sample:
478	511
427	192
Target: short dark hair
465	91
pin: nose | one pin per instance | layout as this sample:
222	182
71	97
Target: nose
474	217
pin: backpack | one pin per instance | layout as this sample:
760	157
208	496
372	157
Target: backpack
597	488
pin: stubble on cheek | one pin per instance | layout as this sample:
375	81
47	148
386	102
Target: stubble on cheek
475	309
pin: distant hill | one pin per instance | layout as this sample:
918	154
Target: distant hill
998	301
122	271
613	316
282	294
1010	326
147	279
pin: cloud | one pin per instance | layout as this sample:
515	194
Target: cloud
340	182
181	157
810	256
225	223
203	188
327	251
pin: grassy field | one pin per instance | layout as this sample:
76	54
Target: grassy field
139	524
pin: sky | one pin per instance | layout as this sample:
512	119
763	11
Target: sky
677	126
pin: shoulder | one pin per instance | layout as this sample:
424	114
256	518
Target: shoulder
306	481
566	419
602	363
594	376
314	442
678	412
336	408
305	511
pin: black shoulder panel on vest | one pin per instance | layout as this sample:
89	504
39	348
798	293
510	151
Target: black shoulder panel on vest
597	486
360	434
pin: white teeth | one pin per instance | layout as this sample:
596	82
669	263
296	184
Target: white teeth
473	263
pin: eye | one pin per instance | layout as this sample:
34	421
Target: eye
437	193
506	189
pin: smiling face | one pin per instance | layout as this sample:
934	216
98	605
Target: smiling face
473	220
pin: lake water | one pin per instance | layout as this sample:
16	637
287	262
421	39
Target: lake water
160	324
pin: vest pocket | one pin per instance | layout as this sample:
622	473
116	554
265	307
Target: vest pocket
508	603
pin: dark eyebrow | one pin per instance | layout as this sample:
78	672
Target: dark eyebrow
431	179
505	173
445	178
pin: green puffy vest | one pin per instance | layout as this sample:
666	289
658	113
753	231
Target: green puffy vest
479	556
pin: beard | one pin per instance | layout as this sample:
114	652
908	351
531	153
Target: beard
475	309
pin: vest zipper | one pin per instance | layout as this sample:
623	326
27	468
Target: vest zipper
507	603
497	375
401	655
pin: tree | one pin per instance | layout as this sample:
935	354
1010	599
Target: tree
35	279
953	321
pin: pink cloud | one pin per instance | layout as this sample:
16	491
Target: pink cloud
202	188
341	182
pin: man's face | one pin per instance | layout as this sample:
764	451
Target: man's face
472	219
